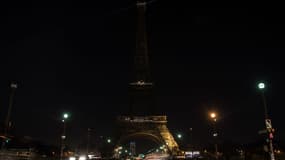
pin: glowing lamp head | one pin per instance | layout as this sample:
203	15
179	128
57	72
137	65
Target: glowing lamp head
179	136
213	115
261	86
14	85
65	115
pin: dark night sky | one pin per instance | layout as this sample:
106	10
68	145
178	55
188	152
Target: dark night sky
78	58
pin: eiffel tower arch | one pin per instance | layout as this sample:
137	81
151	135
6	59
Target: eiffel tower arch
153	128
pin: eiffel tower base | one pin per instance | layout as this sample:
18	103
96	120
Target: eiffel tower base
151	127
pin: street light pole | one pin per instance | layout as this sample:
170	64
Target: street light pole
191	138
268	124
7	121
88	140
191	141
62	141
213	116
7	124
63	136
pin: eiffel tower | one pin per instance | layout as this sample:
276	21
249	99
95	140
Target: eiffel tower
143	120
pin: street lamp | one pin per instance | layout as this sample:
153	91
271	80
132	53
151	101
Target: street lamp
213	116
88	140
191	140
268	125
261	85
13	87
7	124
65	116
179	135
191	136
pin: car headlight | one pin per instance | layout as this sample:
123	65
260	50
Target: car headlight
72	158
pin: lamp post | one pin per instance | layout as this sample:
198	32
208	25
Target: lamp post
191	137
63	136
191	140
7	121
270	130
109	140
7	124
213	116
88	140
